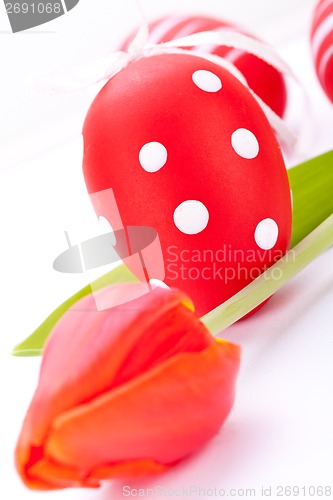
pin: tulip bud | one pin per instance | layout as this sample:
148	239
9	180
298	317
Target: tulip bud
124	392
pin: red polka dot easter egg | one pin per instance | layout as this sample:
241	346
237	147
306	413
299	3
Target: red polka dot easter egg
266	81
188	151
322	44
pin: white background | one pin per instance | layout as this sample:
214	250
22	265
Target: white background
280	430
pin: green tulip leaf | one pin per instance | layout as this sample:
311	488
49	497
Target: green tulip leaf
312	187
33	345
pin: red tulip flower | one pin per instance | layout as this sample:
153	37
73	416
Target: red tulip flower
124	392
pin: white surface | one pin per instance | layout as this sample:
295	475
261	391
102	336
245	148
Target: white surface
280	430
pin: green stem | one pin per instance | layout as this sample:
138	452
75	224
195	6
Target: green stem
271	280
312	187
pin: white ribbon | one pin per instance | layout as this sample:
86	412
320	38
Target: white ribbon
105	68
229	38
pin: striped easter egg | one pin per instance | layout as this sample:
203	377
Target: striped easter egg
322	44
267	82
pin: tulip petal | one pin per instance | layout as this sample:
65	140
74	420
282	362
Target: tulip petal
132	469
122	391
58	476
158	415
92	351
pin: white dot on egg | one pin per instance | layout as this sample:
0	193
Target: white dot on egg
245	143
266	234
191	217
153	156
207	81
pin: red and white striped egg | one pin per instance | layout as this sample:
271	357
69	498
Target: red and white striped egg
322	44
266	81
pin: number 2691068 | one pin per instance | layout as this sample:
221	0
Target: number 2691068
33	8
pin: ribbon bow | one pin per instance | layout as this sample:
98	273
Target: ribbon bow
105	68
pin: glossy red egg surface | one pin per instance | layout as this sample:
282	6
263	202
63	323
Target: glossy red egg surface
322	44
267	82
188	151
